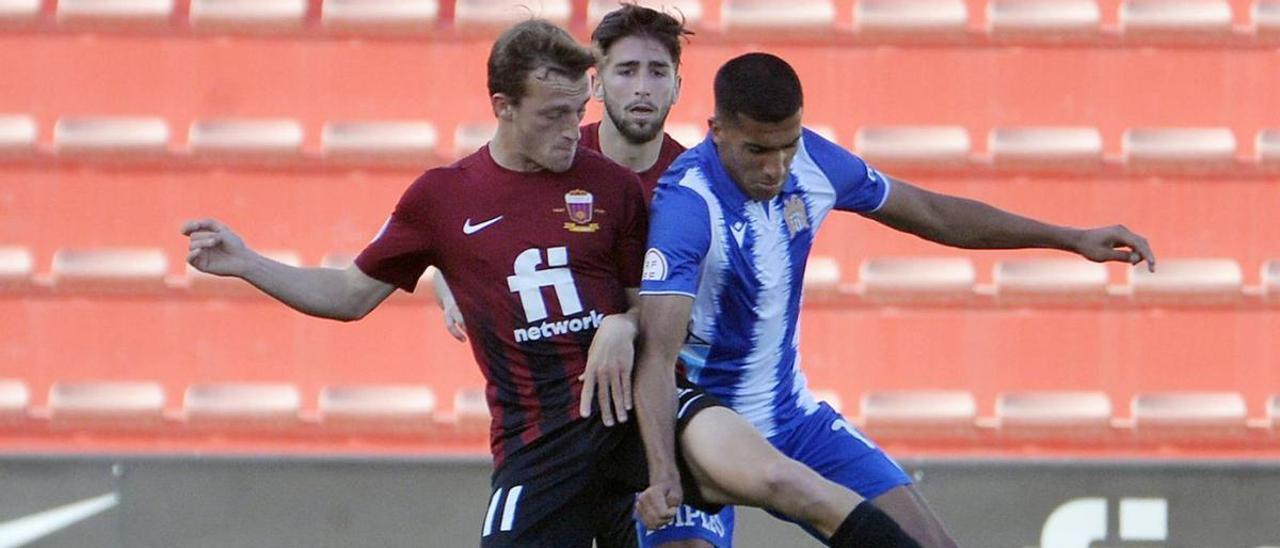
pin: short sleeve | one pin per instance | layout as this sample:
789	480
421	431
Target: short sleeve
635	229
859	187
679	237
400	253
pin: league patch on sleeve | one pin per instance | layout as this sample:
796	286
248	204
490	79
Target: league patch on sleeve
655	266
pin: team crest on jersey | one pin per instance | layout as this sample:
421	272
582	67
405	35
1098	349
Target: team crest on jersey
796	215
580	206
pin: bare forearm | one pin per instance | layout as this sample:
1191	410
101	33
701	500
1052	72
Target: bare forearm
320	292
974	225
655	409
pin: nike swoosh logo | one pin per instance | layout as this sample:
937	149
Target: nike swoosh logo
24	530
469	229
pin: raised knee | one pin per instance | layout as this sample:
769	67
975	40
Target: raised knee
788	479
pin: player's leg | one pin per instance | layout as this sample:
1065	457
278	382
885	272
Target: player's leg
830	445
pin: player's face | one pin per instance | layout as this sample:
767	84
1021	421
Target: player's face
757	155
546	121
638	84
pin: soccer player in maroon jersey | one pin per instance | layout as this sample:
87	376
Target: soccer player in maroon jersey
550	237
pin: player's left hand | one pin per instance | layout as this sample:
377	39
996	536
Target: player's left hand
607	376
1115	243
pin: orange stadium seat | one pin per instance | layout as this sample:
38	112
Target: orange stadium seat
107	404
1188	281
247	15
1268	144
1188	415
1175	19
1266	18
929	279
688	135
1043	19
498	14
471	410
14	399
1194	150
377	16
110	270
17	12
241	405
1050	280
798	16
1273	411
690	10
16	268
240	141
17	136
378	408
1053	414
111	139
469	137
1042	149
923	18
893	147
409	143
113	13
919	414
1271	279
201	283
821	276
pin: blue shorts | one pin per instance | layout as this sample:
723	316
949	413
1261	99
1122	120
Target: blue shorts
831	446
691	523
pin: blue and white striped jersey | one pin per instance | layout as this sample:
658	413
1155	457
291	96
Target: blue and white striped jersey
743	262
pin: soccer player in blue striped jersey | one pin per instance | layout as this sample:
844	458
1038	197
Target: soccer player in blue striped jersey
731	228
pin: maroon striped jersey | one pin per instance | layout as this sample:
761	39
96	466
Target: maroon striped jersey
671	149
535	261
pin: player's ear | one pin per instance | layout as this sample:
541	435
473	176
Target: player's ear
503	107
716	128
597	85
676	96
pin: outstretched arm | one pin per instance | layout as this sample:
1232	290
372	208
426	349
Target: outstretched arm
345	295
970	224
664	321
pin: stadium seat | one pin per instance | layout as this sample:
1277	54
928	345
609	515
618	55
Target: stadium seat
1043	19
821	276
1268	144
469	137
17	136
241	405
14	399
378	408
1050	280
930	279
16	268
471	409
110	270
1266	18
1053	414
107	404
1188	416
18	12
1273	411
798	16
1175	18
1271	279
379	16
241	141
399	143
914	146
922	18
1041	149
1195	150
497	14
689	10
688	135
111	139
919	414
201	283
247	15
114	13
1187	281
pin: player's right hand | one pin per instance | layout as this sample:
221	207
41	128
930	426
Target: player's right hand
215	249
657	505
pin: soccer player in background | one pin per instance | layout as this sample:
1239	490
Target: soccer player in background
550	238
731	229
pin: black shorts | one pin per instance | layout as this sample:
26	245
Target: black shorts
578	484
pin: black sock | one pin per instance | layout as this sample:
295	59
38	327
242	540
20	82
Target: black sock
869	527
